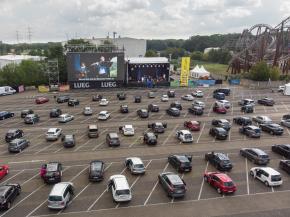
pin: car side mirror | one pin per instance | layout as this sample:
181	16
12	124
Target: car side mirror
156	136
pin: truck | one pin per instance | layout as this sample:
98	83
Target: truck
287	89
6	90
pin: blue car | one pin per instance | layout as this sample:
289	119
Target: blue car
219	96
5	115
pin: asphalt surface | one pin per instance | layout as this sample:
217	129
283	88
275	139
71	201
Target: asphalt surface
252	198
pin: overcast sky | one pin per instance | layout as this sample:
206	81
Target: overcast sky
56	20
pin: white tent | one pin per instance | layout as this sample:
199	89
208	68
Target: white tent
198	72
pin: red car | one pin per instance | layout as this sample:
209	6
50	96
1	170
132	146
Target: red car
192	125
41	100
221	182
4	170
219	109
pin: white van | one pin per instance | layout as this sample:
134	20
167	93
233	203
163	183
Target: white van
6	90
267	175
120	189
60	195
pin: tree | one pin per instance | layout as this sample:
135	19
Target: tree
274	73
197	55
151	53
260	72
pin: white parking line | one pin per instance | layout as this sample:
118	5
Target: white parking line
247	177
151	192
285	106
202	183
47	147
185	114
84	121
288	130
6	181
95	148
161	116
136	140
173	130
210	110
200	132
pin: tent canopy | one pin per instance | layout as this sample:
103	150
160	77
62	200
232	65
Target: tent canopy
198	72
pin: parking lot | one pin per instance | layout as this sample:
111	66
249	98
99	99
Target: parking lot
93	199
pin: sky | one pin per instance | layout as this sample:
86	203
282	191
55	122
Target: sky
58	20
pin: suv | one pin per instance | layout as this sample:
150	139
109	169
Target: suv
251	131
55	113
256	155
266	101
87	111
242	120
196	110
60	195
135	165
127	130
267	175
176	104
17	145
184	136
247	108
124	109
112	139
172	184
4	115
223	123
121	96
175	112
226	91
220	181
150	138
8	193
171	93
26	112
143	113
285	165
151	94
120	189
274	129
219	161
51	172
262	119
182	163
73	102
93	131
68	140
96	170
218	133
13	134
198	103
31	119
137	99
283	150
53	134
153	108
246	102
158	127
285	120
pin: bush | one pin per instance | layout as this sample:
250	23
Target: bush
260	72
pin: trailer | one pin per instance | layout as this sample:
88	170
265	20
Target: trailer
287	89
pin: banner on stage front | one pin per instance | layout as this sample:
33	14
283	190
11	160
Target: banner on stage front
184	74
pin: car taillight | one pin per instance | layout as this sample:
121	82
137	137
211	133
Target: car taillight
62	203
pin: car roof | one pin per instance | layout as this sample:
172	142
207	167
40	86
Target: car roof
93	126
174	178
259	151
185	131
194	122
174	109
128	126
69	136
182	158
222	176
269	170
253	127
59	188
30	115
17	140
150	134
52	130
222	156
224	120
143	110
103	112
12	130
136	160
4	189
220	129
120	182
113	135
158	123
275	125
52	166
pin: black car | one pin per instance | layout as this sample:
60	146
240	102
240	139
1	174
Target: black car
226	91
242	120
219	161
173	112
121	96
196	110
51	172
176	105
96	170
283	150
17	145
31	119
8	193
171	93
219	96
55	113
218	133
158	127
223	123
172	184
97	97
137	99
153	108
182	163
247	108
73	102
274	129
68	140
124	109
13	134
251	131
266	101
143	113
5	115
26	112
150	138
62	99
285	165
255	155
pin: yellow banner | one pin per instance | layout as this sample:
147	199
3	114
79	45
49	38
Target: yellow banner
184	74
43	89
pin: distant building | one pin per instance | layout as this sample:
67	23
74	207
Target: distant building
206	50
17	59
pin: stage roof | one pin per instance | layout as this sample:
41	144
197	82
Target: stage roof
146	60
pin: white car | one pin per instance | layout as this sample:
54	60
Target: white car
135	165
104	102
120	188
127	130
267	175
198	103
184	136
53	134
224	103
187	97
64	118
197	93
88	111
164	98
247	102
262	119
281	88
104	115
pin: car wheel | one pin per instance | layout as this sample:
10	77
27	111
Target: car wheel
266	183
219	190
8	206
251	173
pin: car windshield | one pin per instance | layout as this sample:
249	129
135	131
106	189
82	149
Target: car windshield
178	186
69	138
123	192
139	166
188	136
10	134
185	164
228	184
264	156
276	178
257	130
93	130
13	144
55	198
226	162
